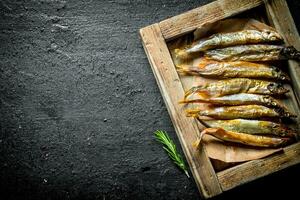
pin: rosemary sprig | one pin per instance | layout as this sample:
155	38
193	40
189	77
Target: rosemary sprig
170	148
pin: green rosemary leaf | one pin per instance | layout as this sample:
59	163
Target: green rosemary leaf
170	148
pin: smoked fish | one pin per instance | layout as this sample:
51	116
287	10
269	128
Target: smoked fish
237	85
253	52
244	112
234	38
239	99
244	138
238	69
251	127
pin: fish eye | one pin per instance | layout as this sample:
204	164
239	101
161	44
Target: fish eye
275	126
271	87
279	85
267	99
273	38
282	112
283	78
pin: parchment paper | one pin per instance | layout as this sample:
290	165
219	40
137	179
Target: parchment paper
217	149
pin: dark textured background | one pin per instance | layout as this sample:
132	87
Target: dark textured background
79	104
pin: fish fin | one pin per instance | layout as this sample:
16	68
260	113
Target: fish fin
205	62
191	101
204	94
192	112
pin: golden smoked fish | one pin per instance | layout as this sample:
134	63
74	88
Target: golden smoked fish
235	38
244	138
244	112
251	127
237	85
239	99
238	69
254	52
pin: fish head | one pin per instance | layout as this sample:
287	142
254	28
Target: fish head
289	114
280	74
284	113
271	101
284	131
289	132
277	88
283	76
271	35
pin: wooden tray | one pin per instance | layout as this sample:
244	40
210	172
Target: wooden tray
211	183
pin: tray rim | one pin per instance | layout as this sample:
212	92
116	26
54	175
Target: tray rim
155	37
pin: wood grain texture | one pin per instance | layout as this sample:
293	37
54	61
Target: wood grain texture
280	17
171	86
189	21
255	169
172	92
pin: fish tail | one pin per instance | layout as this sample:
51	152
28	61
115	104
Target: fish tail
193	90
196	70
201	136
196	144
186	101
181	53
182	70
203	122
189	70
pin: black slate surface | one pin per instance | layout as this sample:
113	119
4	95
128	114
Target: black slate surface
79	103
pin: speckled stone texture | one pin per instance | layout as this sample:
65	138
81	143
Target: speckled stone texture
79	104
